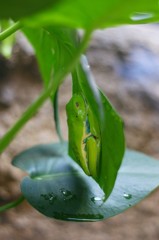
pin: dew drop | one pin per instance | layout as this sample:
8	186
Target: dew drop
97	199
67	194
50	197
138	16
127	196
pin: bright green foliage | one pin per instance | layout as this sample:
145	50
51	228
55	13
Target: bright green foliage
112	133
58	188
97	14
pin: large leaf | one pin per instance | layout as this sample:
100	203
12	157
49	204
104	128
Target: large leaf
97	14
58	188
17	8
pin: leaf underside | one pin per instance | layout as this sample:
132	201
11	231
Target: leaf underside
58	188
80	13
97	14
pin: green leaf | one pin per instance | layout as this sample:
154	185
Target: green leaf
54	48
113	145
97	14
58	188
17	8
110	125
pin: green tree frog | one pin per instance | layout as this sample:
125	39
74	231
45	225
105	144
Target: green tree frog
84	135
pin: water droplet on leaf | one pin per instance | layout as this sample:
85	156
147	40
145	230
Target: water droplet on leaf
138	16
97	199
127	196
67	194
51	197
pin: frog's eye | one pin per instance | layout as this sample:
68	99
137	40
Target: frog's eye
77	104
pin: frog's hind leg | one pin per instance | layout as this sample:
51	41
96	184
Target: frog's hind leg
92	151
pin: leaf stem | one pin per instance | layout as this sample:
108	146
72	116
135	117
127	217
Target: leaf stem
71	65
56	116
9	31
12	204
50	91
8	137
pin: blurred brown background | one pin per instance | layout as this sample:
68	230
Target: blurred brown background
125	62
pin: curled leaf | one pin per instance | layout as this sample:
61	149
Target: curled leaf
96	137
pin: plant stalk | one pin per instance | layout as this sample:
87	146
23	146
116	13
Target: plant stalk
9	31
12	204
8	137
56	116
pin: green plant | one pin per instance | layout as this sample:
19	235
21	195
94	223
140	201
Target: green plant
57	185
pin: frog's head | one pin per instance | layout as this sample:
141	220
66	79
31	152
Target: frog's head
76	107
